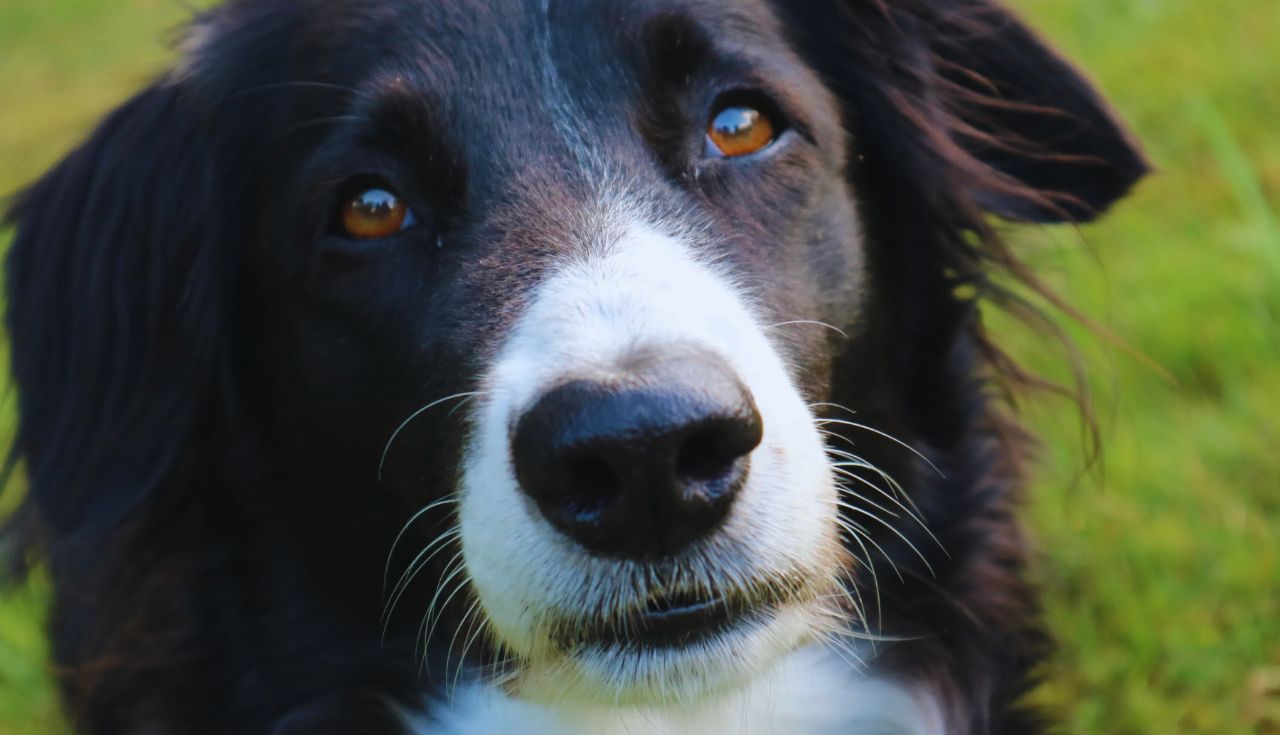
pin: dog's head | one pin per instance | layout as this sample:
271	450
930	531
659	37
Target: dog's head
579	288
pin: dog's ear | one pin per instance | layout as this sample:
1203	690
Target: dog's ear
1029	114
978	89
115	309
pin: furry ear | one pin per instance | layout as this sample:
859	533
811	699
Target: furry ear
962	94
1024	111
115	310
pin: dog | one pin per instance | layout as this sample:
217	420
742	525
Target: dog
569	366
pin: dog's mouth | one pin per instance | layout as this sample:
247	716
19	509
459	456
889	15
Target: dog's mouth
669	622
681	618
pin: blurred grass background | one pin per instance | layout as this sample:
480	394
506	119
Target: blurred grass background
1162	570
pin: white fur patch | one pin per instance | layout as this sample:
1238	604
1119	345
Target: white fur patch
810	692
644	289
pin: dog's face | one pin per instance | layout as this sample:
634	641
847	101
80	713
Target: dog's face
576	279
596	233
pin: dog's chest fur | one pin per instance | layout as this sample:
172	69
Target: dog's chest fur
813	692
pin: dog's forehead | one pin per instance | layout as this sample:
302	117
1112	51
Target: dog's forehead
483	28
479	47
488	54
564	81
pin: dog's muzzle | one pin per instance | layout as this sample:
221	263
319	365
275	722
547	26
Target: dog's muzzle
645	503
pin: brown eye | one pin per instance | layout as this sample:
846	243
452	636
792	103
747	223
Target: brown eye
373	214
738	130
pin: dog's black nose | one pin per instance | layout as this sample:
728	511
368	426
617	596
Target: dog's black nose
642	463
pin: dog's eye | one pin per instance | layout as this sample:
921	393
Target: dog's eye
372	214
739	130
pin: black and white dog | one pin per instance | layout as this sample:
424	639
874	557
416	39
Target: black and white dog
548	366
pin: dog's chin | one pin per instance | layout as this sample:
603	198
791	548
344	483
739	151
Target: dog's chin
675	654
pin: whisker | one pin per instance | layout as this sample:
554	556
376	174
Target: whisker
479	624
448	655
417	565
452	569
857	461
866	562
857	635
842	469
842	648
914	516
383	460
846	473
386	571
839	628
893	530
843	594
856	530
893	484
828	404
439	613
497	671
890	437
813	322
851	412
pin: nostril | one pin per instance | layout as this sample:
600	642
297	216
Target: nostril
704	457
592	485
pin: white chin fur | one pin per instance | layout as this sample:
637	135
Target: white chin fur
808	692
646	290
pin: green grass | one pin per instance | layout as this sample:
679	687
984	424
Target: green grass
1163	570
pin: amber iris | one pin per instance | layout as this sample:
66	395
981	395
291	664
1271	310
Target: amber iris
738	131
372	214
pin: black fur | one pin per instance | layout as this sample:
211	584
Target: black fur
207	375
